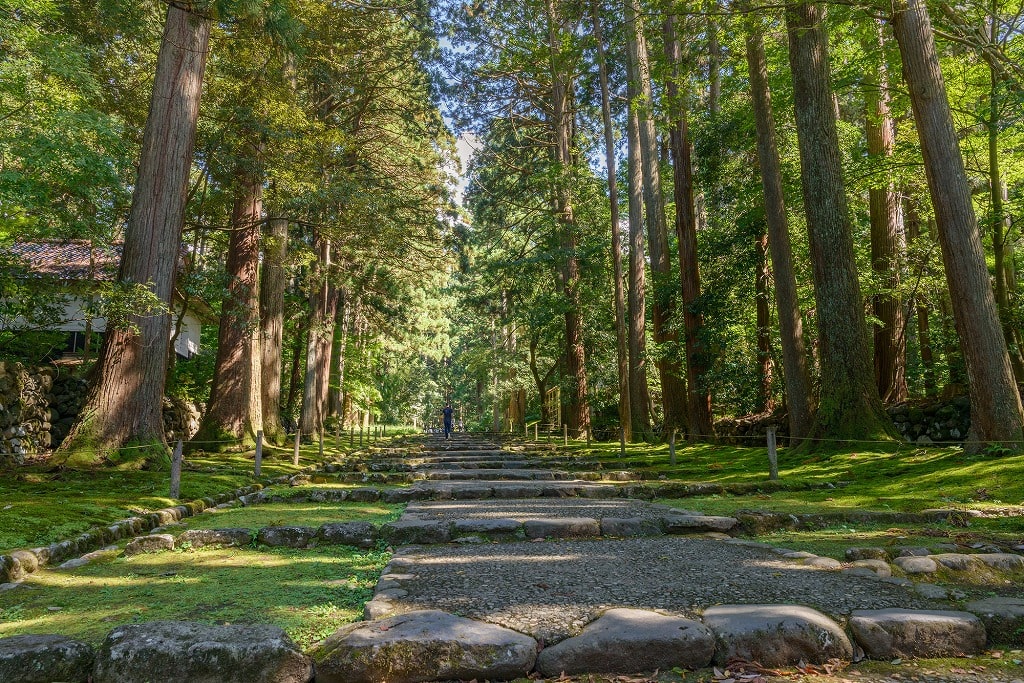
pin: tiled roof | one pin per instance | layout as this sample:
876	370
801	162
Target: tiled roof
70	259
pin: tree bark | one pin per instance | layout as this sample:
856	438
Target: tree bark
673	387
323	309
234	411
791	334
999	222
762	294
273	282
924	337
294	375
849	407
637	298
996	412
125	402
621	342
888	241
336	402
578	417
698	393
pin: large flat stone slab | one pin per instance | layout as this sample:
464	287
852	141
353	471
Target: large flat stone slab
186	652
286	536
889	633
776	635
45	658
630	526
427	645
1003	619
357	534
691	524
416	531
630	641
153	543
566	527
197	538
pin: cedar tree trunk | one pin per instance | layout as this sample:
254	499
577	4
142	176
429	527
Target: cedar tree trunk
791	334
848	407
698	395
996	413
125	402
273	281
234	411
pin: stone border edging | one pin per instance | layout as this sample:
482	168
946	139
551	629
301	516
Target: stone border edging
427	645
15	565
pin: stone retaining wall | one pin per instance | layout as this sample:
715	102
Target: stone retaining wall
38	406
944	421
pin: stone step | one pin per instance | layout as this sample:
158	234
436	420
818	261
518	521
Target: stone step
477	464
463	452
496	475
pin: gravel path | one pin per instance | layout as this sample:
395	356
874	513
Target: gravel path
551	589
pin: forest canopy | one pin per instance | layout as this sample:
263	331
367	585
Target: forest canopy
666	215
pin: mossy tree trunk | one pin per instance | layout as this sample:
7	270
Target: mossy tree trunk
848	406
273	281
791	334
234	412
996	413
125	403
621	336
637	297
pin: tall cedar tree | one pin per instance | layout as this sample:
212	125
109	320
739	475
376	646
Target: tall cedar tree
848	405
561	122
125	402
234	411
996	413
273	282
888	241
621	342
698	393
791	335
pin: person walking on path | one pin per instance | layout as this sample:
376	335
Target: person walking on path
447	411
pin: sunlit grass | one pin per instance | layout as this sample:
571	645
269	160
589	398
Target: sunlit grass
296	514
904	478
308	593
38	506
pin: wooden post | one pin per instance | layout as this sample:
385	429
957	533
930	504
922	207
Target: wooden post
337	435
565	434
258	466
321	442
773	456
622	442
295	454
384	430
360	436
672	448
176	470
535	426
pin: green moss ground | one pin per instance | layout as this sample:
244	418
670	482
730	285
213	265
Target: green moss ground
300	514
904	479
38	506
308	593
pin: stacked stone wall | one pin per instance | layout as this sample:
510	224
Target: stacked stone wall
38	406
944	421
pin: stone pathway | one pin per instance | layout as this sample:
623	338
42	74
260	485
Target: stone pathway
508	566
507	545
